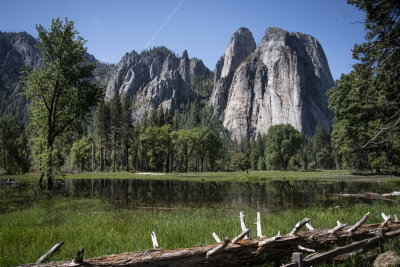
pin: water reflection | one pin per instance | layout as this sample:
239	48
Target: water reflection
272	196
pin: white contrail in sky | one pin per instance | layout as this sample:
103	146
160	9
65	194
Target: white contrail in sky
163	25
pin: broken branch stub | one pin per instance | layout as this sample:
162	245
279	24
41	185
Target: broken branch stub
241	236
79	255
258	223
387	219
298	226
359	223
216	237
243	224
154	240
337	228
218	248
48	254
309	226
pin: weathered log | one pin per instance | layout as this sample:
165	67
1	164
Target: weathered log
264	242
48	254
393	194
321	257
371	196
245	252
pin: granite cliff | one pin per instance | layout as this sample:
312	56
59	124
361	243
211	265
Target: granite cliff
283	80
16	50
155	77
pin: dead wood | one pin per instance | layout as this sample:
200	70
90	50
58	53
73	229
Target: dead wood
244	252
371	196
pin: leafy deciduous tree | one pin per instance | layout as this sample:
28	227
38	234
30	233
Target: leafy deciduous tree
60	90
282	142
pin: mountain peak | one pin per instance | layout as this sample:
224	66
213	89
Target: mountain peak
284	82
241	45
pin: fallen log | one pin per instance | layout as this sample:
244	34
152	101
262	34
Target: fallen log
244	252
371	196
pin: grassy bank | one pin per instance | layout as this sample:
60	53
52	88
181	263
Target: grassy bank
27	234
253	176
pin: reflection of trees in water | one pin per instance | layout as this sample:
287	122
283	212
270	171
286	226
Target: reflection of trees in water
266	197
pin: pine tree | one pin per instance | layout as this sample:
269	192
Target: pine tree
194	117
126	129
116	126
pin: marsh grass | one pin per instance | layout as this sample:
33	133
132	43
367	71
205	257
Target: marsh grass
93	224
252	176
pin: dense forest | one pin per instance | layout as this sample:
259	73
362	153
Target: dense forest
91	134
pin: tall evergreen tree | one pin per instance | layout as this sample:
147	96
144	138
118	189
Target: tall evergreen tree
194	115
102	130
366	101
126	129
116	127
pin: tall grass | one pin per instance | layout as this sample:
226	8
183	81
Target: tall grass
27	234
252	176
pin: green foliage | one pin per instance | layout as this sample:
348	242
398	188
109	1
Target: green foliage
240	161
367	123
80	152
154	146
261	164
13	147
282	141
320	151
194	116
101	132
60	91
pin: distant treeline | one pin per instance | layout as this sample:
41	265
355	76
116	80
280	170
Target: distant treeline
164	141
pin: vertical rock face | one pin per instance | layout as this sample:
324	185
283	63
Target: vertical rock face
283	80
16	50
155	77
241	45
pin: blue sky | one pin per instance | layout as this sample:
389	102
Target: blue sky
203	27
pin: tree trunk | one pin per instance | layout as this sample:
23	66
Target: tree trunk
115	150
93	157
126	156
247	252
49	167
104	158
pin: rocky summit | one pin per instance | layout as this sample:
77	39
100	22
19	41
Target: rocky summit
283	80
155	77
